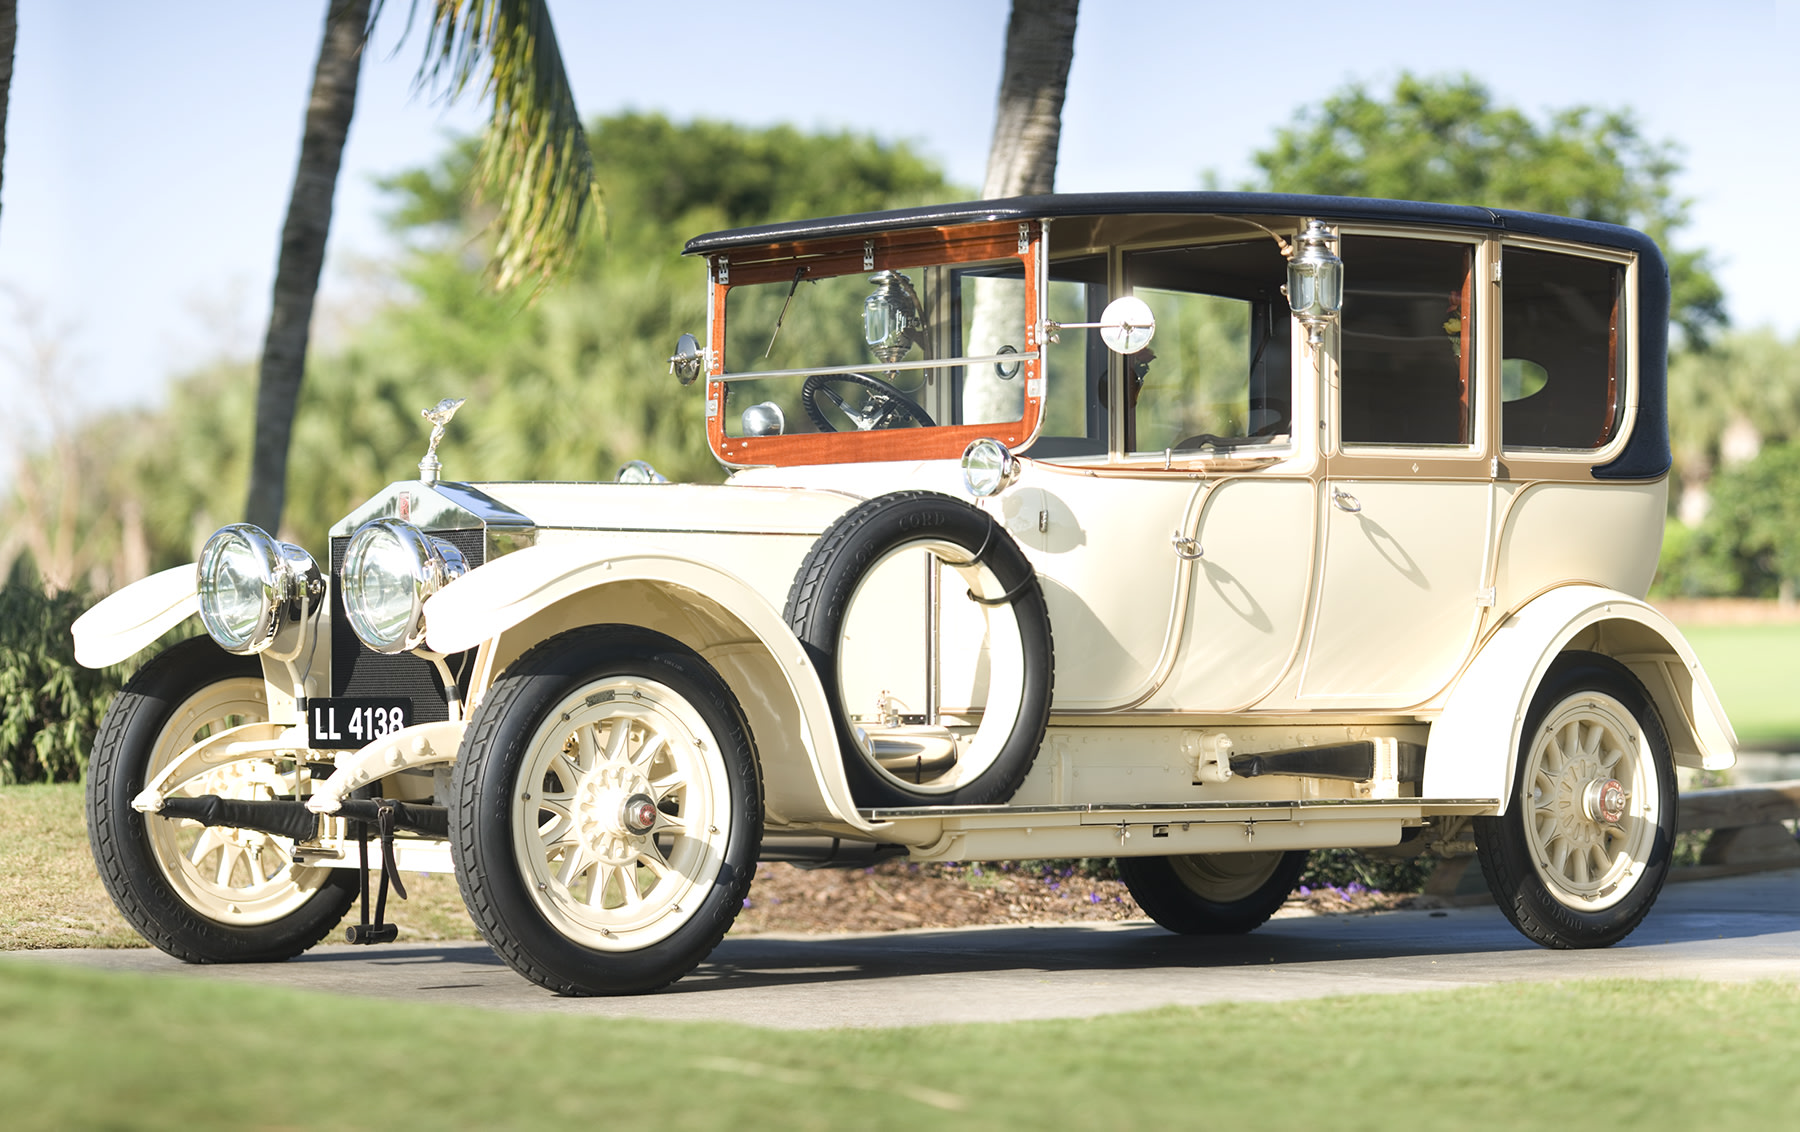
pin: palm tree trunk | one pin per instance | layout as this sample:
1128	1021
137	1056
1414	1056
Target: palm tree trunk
9	35
303	255
1040	44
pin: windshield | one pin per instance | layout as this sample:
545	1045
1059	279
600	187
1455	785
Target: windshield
875	350
905	345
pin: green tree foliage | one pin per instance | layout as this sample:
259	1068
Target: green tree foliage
1750	541
1748	376
50	706
1445	139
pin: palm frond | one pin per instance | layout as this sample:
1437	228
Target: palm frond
535	164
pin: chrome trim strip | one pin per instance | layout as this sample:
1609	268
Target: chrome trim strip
896	813
879	367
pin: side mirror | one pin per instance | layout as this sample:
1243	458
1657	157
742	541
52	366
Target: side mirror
1126	325
685	364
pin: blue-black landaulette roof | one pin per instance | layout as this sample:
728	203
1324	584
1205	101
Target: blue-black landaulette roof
1053	205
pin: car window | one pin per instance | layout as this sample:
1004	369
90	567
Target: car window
1563	371
1218	374
1407	335
1076	363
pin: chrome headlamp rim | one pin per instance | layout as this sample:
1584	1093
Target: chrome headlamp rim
284	577
430	565
988	466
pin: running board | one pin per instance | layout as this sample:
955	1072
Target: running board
1199	811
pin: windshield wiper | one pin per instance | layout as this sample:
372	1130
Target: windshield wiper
799	274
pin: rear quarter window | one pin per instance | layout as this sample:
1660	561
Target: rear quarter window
1562	374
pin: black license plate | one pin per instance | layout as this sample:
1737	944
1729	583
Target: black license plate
348	724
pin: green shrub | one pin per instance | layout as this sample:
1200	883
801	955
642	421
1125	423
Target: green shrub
1341	868
50	706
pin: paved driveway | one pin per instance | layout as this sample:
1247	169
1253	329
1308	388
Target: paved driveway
1731	929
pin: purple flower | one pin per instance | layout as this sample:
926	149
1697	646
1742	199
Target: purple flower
1093	898
747	903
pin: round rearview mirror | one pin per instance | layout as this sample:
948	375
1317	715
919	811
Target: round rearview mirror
1126	325
685	364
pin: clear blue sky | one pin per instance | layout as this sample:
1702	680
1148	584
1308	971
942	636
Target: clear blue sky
150	147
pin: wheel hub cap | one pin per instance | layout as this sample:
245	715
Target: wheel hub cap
1604	801
614	811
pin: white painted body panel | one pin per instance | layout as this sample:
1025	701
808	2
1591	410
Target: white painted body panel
133	617
1475	740
516	601
1396	611
1553	533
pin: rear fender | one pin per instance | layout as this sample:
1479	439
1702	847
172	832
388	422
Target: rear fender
515	602
1474	743
125	622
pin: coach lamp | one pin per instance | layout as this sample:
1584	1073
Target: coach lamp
1315	286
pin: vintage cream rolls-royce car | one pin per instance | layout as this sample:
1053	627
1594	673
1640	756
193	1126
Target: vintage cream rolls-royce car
1197	530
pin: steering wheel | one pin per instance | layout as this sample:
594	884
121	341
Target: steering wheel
883	406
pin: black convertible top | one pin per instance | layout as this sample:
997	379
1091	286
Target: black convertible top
1053	205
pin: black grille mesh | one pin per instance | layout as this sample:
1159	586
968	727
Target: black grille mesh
358	670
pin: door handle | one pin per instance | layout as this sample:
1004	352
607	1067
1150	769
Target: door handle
1345	501
1186	547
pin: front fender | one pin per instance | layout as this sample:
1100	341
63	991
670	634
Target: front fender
1474	743
130	619
512	602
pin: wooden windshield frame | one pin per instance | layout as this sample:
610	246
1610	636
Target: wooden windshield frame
907	248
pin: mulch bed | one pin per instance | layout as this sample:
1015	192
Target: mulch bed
896	895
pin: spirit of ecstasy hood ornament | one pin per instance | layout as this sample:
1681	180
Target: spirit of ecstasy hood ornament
439	415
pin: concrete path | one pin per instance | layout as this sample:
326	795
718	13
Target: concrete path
1728	929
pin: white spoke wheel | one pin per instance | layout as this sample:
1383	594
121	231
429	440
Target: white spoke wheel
607	812
1213	893
1583	849
201	893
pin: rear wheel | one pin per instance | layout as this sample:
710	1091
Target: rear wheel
1583	848
204	894
607	812
1213	893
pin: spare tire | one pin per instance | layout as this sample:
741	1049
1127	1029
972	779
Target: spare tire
999	578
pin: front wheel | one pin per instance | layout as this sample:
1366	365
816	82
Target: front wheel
204	894
1583	848
607	812
1213	893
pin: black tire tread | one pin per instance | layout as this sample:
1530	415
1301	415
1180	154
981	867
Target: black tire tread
1510	875
187	936
1165	898
802	610
473	871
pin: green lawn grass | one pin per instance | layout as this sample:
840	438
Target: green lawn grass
82	1049
50	892
1756	671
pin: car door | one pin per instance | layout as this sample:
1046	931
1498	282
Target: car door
1178	573
1406	503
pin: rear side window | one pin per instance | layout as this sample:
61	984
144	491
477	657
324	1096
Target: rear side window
1407	331
1562	373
